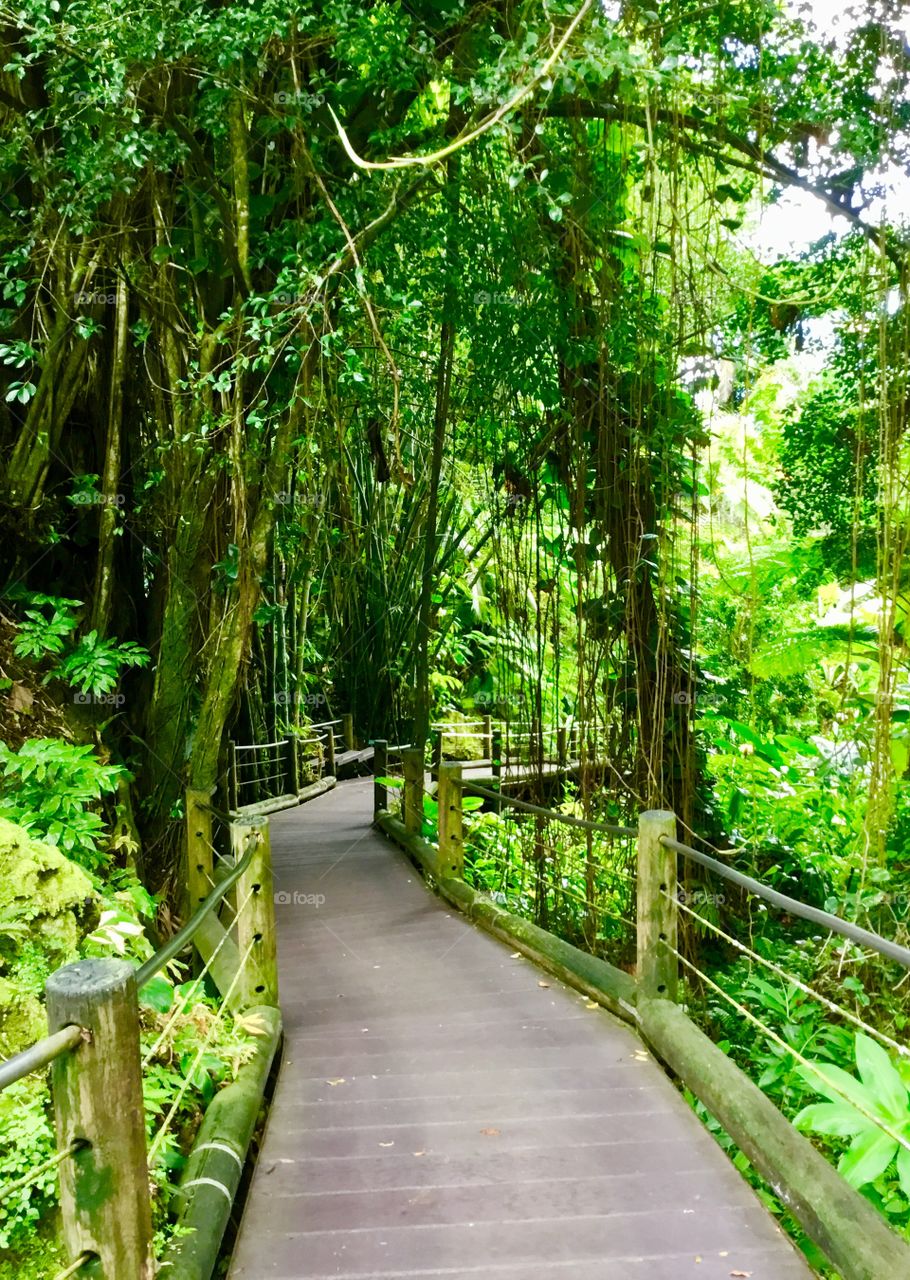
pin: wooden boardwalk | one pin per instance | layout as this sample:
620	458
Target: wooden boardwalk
446	1110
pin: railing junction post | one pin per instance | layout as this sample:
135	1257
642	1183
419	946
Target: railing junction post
256	915
412	767
330	751
97	1092
657	910
380	770
347	729
451	822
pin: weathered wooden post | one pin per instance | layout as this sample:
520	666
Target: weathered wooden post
535	742
292	764
412	767
657	911
496	765
437	748
347	730
380	770
256	915
97	1091
451	822
233	780
487	746
330	751
199	860
562	755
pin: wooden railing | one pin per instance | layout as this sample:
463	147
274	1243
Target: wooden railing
849	1230
260	773
93	1048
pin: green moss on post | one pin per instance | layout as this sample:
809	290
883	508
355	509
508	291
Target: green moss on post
97	1090
451	822
380	770
657	912
412	767
256	916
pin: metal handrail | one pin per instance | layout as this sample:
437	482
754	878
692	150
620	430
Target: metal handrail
164	955
854	932
610	828
259	746
39	1055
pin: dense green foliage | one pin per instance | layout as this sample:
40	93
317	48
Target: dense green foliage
525	423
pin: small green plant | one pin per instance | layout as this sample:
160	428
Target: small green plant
93	666
39	635
28	1140
51	787
854	1105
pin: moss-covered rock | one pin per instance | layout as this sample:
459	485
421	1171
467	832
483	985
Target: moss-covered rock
47	905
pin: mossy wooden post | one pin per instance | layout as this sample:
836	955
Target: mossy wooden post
487	746
380	770
412	767
562	755
256	919
657	911
233	780
330	751
199	861
347	730
496	766
97	1091
292	764
451	822
437	748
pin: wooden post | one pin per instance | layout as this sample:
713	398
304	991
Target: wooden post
488	738
380	770
97	1091
562	755
330	751
347	729
437	748
292	764
657	911
496	765
199	859
233	781
256	920
451	822
412	766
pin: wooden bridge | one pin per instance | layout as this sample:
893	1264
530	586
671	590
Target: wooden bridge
445	1108
462	1090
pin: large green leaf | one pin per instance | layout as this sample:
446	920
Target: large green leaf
869	1155
889	1093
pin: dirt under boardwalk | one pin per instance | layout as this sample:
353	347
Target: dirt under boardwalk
445	1109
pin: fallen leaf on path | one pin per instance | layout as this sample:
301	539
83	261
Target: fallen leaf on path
490	1133
420	1153
543	984
337	1080
741	1273
591	1004
516	955
387	1144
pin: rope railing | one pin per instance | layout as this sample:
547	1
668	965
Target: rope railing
815	915
260	772
94	1044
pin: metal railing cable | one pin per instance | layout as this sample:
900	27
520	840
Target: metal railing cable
780	972
38	1170
610	828
172	948
831	1085
74	1267
194	985
39	1055
190	1073
853	932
